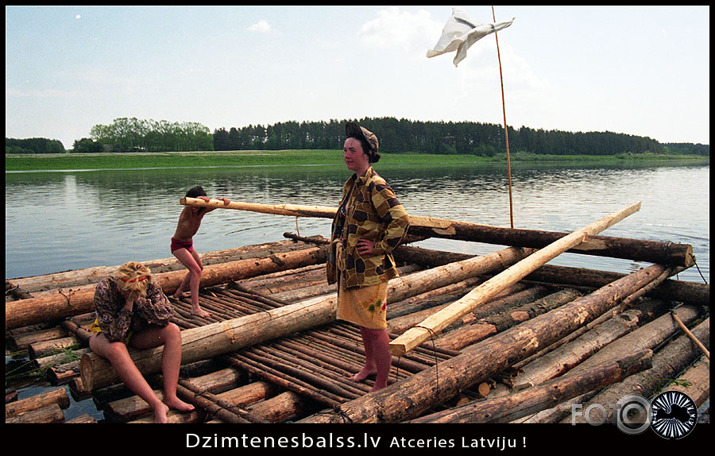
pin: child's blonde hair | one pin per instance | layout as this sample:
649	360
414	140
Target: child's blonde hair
133	276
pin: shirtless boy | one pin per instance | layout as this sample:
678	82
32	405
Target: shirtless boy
183	249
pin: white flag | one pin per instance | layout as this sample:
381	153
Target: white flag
460	33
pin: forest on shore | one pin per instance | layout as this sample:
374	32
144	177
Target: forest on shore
395	135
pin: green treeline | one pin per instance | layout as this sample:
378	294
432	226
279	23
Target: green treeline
396	136
33	146
482	139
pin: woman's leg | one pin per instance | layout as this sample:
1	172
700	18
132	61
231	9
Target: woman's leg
118	356
377	357
370	368
381	357
170	337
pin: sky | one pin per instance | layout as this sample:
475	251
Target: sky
639	70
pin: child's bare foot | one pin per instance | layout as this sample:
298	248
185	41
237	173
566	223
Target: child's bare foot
178	404
363	374
198	311
178	294
161	413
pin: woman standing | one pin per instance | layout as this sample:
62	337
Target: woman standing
133	311
369	224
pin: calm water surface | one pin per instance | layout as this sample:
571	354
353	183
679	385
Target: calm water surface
57	221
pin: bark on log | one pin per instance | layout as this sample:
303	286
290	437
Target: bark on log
48	414
531	400
436	323
23	341
671	290
49	347
559	361
57	306
423	391
281	408
22	406
695	382
606	246
223	337
471	333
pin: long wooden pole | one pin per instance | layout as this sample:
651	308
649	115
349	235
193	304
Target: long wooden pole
506	129
437	322
299	211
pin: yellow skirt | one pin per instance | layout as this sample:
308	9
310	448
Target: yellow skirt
365	307
94	327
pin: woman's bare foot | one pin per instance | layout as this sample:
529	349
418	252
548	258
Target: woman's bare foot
363	374
179	405
161	413
200	312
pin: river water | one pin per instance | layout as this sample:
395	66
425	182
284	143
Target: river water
61	220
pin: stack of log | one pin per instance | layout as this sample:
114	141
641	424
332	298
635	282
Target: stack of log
273	352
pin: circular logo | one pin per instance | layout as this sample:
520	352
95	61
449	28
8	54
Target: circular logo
673	415
633	414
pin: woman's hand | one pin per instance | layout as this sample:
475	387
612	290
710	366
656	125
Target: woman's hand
365	246
130	299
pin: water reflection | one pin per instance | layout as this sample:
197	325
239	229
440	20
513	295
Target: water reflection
66	220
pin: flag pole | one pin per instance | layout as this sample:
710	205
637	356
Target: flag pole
506	130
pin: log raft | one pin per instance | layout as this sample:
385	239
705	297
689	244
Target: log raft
273	352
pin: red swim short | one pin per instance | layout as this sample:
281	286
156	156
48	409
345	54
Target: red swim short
176	245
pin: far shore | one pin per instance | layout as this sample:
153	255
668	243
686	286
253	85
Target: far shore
132	160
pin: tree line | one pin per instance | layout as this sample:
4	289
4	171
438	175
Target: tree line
396	136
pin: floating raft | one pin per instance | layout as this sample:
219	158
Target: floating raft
272	351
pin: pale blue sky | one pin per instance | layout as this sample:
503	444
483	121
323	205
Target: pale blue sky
635	70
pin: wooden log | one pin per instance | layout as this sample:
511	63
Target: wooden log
528	401
559	361
248	394
48	347
671	290
649	336
436	323
471	333
22	406
605	246
82	419
23	341
650	251
49	414
211	404
58	306
431	387
227	336
281	408
694	382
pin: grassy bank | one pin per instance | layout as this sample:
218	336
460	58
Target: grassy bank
295	157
